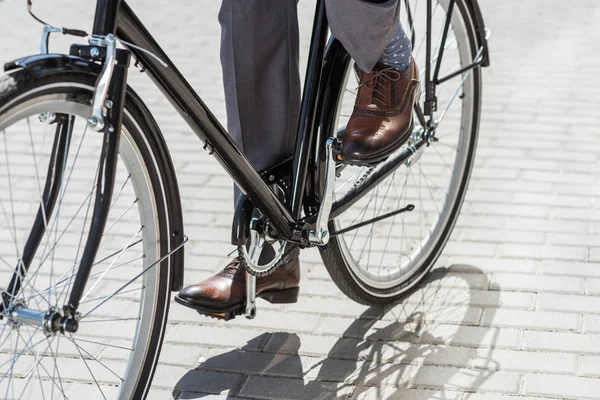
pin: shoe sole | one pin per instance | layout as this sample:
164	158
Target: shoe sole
286	296
379	158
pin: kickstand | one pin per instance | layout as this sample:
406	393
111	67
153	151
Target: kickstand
256	245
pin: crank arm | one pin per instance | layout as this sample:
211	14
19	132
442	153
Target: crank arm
54	176
320	234
256	246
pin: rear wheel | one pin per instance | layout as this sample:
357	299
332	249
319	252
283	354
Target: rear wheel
125	304
383	261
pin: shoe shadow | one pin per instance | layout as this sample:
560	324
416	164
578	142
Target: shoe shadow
427	341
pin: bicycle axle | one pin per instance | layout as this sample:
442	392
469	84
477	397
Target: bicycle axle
51	321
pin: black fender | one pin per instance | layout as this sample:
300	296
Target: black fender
480	33
44	65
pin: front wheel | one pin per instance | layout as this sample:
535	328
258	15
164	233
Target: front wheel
125	304
382	262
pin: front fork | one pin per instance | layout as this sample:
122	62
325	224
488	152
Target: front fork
114	75
106	118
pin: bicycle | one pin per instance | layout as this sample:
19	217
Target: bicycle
88	285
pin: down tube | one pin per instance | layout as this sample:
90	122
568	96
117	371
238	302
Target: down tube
204	124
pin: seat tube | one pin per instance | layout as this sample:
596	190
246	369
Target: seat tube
105	19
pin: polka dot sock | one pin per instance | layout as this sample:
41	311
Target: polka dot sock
397	52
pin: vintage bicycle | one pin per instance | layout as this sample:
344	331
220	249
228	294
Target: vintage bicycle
91	226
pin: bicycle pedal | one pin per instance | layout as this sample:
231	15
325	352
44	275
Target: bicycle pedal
225	316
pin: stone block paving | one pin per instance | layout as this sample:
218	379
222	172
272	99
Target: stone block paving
512	310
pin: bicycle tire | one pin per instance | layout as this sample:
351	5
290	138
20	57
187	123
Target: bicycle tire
342	266
143	160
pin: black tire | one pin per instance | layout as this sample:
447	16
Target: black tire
19	88
336	256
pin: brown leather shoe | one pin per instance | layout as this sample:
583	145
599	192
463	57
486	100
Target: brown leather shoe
382	120
224	294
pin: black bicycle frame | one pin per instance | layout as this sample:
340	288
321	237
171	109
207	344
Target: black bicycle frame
193	110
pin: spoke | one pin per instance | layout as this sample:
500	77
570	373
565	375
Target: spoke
6	338
442	158
362	213
37	177
42	206
31	376
44	258
398	202
55	370
120	216
39	360
420	208
104	344
429	190
403	238
135	278
65	280
376	213
120	191
94	358
111	265
12	368
89	369
110	319
355	177
12	206
61	235
432	182
454	95
117	252
370	234
118	294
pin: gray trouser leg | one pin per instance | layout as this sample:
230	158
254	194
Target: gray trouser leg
260	57
364	28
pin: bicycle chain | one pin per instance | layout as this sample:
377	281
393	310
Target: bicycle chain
248	269
365	176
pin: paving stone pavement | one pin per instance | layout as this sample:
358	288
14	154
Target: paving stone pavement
513	307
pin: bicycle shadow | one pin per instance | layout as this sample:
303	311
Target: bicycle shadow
405	346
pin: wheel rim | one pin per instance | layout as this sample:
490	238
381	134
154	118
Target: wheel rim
96	359
383	257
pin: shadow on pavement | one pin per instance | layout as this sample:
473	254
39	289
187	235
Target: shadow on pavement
425	342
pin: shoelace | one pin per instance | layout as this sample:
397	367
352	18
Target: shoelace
374	82
232	266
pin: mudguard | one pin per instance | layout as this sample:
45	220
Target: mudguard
44	65
479	25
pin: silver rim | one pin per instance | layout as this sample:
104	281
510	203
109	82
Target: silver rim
98	361
387	254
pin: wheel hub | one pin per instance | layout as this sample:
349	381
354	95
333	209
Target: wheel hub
51	321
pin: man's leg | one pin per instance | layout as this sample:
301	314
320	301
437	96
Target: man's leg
364	27
382	119
259	57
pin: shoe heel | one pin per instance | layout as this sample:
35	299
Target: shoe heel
282	296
